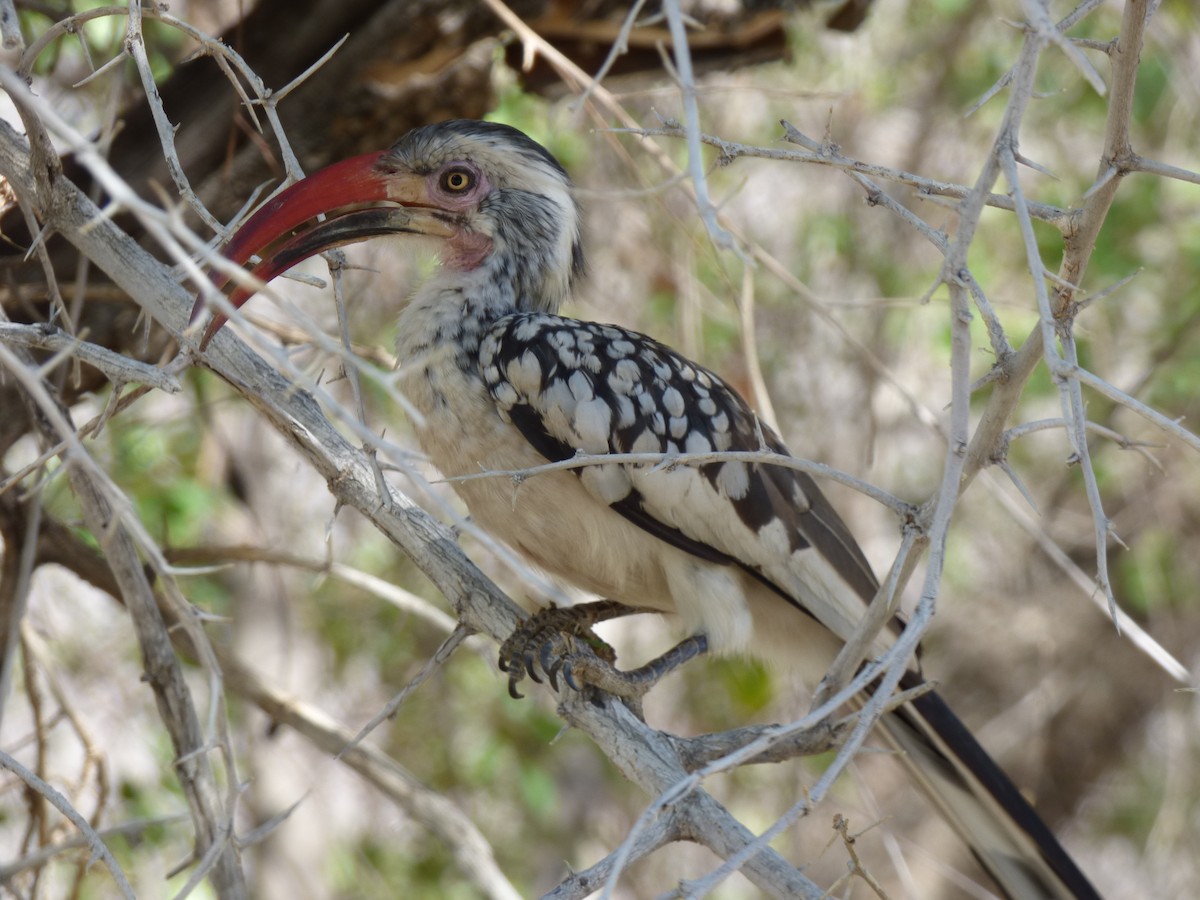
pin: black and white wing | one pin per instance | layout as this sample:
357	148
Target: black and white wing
572	386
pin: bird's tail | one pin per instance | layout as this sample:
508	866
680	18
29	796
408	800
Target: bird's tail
974	795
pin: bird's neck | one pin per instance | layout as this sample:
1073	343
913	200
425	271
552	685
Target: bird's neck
536	255
458	302
438	336
524	271
443	318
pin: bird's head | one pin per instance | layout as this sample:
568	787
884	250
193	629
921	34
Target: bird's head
500	204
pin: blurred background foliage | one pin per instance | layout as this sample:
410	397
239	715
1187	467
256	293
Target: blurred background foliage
857	369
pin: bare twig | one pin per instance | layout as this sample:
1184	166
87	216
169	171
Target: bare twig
107	515
118	368
1069	21
619	47
18	576
10	26
1127	625
43	855
691	113
763	457
433	664
94	841
1163	170
135	46
1016	370
832	157
1061	367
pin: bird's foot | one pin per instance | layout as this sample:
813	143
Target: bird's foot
560	641
631	685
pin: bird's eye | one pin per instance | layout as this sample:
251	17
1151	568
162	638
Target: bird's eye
458	180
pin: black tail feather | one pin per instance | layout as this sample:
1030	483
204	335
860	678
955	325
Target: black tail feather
1008	837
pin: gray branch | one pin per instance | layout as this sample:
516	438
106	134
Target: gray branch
119	369
92	839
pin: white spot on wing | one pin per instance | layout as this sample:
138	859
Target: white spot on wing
525	373
626	373
646	442
733	480
800	499
606	483
593	425
527	329
774	538
557	407
505	394
625	413
672	401
581	386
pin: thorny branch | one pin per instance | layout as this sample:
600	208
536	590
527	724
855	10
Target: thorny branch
94	841
118	368
831	156
669	460
101	505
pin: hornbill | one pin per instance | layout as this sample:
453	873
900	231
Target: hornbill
750	557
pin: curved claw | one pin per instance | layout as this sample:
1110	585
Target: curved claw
512	689
531	668
569	677
552	672
546	658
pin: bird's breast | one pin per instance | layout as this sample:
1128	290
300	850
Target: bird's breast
547	517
